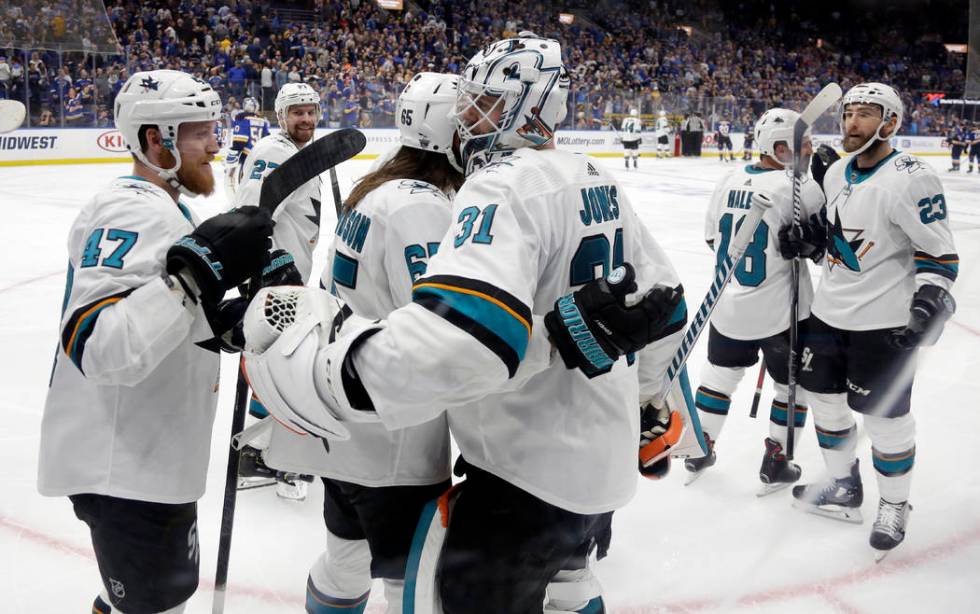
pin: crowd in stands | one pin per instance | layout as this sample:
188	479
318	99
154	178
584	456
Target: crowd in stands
727	60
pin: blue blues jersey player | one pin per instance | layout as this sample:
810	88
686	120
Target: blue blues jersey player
247	128
885	290
548	438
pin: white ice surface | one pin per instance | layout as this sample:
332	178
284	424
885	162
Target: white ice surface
709	547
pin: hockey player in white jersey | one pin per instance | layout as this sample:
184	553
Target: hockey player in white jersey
297	232
885	290
247	128
663	135
631	135
127	422
548	446
391	225
753	314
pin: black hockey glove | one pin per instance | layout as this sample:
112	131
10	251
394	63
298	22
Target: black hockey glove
808	240
225	320
931	307
223	251
280	271
823	157
593	326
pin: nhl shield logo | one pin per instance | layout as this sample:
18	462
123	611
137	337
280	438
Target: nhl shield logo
118	589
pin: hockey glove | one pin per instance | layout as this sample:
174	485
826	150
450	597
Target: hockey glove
823	157
931	307
280	271
225	320
808	240
660	430
594	326
222	252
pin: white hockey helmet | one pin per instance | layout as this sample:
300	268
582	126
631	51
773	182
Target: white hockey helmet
878	94
525	80
292	94
423	113
634	113
662	113
250	105
165	99
776	125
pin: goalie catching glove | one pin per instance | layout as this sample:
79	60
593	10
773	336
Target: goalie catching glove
297	344
594	326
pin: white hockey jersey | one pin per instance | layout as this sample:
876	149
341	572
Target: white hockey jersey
526	230
889	234
663	126
298	217
756	303
380	249
132	397
632	129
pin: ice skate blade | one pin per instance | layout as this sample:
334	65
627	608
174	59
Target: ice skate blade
880	555
692	477
768	489
252	483
835	512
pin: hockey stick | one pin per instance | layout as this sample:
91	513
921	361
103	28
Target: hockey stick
308	163
12	113
826	97
758	389
723	274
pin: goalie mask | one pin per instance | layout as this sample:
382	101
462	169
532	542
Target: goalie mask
512	94
880	95
423	114
250	105
165	99
775	126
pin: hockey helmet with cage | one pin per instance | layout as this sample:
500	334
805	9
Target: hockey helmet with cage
292	94
880	95
512	94
164	99
423	113
775	126
250	105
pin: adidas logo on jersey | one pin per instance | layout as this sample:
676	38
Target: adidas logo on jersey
592	170
747	182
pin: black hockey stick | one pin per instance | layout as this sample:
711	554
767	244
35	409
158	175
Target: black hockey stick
317	157
337	199
758	389
829	95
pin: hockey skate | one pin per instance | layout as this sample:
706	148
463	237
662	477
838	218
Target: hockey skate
838	499
776	472
252	470
696	466
889	528
292	486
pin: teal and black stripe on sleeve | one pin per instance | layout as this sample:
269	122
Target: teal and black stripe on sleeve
80	326
947	265
492	316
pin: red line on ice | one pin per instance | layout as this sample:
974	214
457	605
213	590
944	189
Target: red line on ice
894	564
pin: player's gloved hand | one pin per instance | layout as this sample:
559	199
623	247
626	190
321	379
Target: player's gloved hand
222	252
808	240
225	320
931	307
823	157
660	430
279	271
594	326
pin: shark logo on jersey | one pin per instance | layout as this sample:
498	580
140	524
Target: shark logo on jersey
418	187
535	130
843	245
908	163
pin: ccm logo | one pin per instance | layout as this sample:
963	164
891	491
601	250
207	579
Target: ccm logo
112	141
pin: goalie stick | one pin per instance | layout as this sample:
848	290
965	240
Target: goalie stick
829	95
308	163
12	114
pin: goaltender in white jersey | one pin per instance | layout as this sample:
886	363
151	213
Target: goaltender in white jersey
541	440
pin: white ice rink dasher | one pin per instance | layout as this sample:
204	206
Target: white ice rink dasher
712	546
